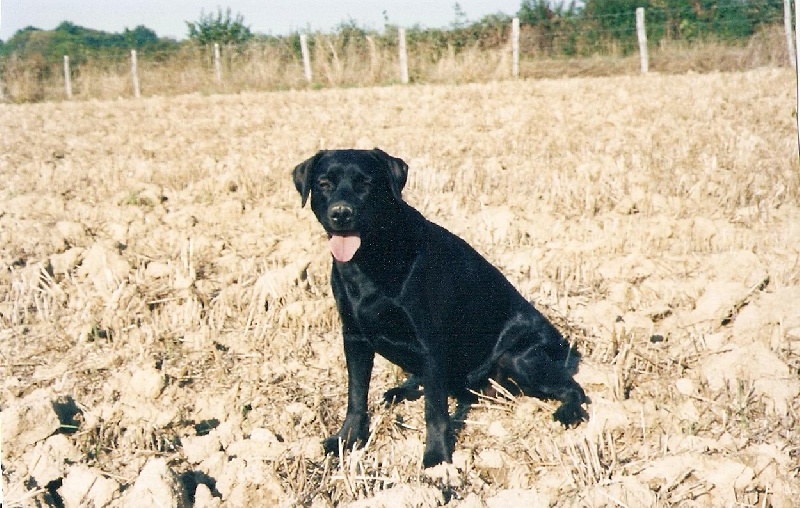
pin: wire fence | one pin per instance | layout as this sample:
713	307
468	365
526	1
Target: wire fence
601	44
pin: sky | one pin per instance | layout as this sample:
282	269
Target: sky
275	17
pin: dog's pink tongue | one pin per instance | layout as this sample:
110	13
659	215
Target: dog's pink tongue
344	247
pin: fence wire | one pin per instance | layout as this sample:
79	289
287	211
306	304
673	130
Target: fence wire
679	39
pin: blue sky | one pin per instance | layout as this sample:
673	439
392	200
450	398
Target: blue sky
167	17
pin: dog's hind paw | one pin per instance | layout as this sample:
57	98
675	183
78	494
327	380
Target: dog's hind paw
400	393
408	390
570	414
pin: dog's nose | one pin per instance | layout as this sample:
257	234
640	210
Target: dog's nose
340	214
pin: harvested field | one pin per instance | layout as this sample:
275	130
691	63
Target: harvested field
168	336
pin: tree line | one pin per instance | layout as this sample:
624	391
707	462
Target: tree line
556	28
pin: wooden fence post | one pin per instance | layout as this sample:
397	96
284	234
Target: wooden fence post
306	57
374	61
217	66
401	44
515	48
642	36
134	74
787	27
67	78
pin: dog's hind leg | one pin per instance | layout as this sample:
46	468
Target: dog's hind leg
516	329
538	375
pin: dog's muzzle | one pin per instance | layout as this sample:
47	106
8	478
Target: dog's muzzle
343	241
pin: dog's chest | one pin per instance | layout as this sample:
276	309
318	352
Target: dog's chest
379	315
374	308
366	288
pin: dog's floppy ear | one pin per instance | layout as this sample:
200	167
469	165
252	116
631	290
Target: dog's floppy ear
303	173
398	171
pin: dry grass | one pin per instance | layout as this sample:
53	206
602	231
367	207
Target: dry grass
159	272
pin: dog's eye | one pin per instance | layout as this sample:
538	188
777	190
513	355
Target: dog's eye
362	185
325	185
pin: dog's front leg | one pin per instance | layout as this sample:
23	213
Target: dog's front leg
439	433
355	429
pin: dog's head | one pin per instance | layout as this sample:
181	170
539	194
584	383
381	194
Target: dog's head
350	190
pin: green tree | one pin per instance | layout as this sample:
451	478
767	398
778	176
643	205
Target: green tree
535	12
80	43
140	36
555	25
220	28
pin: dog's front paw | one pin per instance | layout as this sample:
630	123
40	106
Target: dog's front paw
331	445
438	449
354	432
435	457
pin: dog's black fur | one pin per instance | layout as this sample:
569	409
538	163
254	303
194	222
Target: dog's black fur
425	300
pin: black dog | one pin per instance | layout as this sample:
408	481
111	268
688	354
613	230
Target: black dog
425	300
